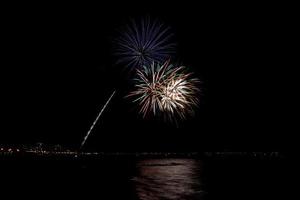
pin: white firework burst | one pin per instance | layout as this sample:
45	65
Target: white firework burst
165	89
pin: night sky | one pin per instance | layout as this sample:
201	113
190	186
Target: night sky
59	71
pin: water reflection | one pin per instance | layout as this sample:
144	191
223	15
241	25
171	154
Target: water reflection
169	179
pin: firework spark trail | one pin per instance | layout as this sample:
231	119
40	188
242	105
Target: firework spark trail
90	130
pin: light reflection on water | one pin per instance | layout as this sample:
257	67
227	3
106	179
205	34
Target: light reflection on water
169	179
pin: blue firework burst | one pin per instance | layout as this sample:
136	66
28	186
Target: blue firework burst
144	41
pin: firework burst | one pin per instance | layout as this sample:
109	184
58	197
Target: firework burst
165	89
143	42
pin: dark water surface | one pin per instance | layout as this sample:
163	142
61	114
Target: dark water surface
144	179
169	179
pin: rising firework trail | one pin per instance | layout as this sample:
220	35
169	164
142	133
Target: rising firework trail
94	123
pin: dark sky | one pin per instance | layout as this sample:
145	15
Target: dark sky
59	71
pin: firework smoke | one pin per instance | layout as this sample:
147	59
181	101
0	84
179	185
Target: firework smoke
88	133
143	42
166	89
